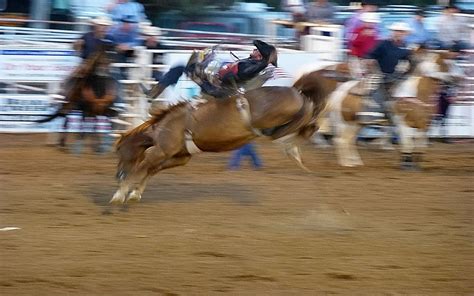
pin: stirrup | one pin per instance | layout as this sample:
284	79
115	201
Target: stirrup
370	103
371	118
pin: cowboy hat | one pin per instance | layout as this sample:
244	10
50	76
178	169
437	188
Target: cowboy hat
150	31
370	17
102	21
129	19
266	50
400	26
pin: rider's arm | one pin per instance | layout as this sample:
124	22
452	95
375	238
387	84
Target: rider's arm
250	68
78	45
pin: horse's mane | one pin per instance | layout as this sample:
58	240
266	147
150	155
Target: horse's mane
150	122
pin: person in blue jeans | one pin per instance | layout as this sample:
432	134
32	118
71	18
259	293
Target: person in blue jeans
246	150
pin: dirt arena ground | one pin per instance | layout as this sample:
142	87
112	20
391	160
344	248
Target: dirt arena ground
202	230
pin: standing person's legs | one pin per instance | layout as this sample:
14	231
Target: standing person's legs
249	149
234	163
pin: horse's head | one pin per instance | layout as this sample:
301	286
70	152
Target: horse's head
102	64
439	65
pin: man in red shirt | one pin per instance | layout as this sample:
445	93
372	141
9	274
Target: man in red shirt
362	41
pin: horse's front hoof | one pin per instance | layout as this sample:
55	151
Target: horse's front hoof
117	199
135	196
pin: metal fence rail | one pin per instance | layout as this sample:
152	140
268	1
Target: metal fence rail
141	68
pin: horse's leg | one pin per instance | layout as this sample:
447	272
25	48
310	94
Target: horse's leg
62	140
352	131
153	155
137	192
406	141
80	136
293	151
342	144
121	193
385	141
94	135
421	143
319	140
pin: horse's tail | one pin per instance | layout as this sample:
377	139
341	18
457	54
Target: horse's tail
311	86
131	147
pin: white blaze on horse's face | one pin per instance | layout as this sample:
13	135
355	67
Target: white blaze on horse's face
437	66
429	66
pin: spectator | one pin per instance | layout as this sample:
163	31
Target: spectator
320	11
91	41
151	37
246	150
354	22
151	40
363	40
127	8
419	34
450	29
125	37
295	7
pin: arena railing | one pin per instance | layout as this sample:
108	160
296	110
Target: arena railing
136	100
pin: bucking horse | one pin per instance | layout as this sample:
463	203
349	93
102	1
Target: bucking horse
169	139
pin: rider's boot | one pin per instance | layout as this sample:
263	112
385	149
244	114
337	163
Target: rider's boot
170	78
371	113
156	90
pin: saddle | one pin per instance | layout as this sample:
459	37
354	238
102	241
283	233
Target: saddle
373	112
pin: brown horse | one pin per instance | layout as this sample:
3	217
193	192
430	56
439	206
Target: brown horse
412	109
169	139
89	89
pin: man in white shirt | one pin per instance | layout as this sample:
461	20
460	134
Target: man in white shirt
451	30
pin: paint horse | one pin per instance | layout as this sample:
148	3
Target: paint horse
412	109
